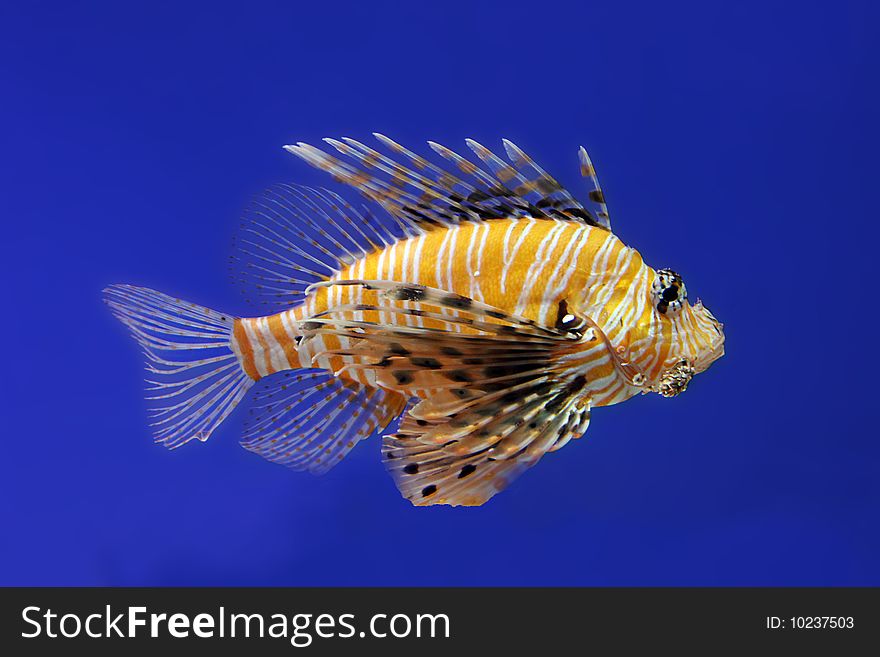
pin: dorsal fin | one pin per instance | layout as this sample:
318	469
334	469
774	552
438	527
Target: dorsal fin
423	194
293	236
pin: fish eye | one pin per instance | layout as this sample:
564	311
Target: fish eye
668	292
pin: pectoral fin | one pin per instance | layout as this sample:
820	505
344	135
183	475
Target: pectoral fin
466	458
496	391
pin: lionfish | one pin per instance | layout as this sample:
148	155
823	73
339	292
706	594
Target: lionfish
485	308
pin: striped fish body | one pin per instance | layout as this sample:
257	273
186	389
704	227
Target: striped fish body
539	269
489	310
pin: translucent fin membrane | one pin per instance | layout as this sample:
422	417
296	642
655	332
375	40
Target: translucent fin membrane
309	420
293	236
194	378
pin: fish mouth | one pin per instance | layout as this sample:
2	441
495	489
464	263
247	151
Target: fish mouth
703	363
715	351
710	331
674	380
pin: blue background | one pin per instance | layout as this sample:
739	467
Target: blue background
737	143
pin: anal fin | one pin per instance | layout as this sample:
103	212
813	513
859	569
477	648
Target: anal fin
310	420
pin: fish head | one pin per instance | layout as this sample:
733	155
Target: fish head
687	338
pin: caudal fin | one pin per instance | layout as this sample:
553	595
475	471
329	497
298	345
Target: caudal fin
195	379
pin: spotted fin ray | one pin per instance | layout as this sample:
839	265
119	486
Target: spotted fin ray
471	470
501	389
423	194
446	349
